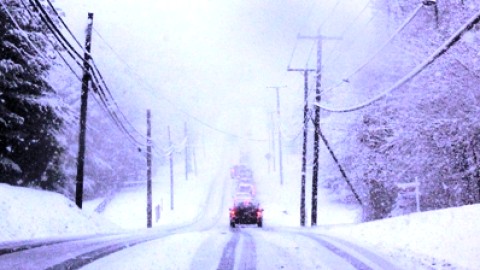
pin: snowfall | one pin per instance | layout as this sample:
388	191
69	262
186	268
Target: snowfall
443	239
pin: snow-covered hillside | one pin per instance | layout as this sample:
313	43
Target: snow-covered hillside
32	214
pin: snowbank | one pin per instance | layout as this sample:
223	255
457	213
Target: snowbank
29	214
442	239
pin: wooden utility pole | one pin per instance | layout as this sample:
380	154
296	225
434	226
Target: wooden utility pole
186	151
272	136
149	170
194	156
319	38
171	168
83	114
305	138
280	158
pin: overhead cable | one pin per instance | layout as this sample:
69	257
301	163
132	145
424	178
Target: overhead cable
145	84
429	60
329	15
37	4
22	32
64	24
96	83
307	18
349	27
380	49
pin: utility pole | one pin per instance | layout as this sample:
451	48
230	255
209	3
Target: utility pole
83	114
305	138
280	161
149	170
435	9
186	150
194	160
318	83
272	136
171	168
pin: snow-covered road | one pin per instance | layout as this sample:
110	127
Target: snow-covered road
204	241
190	248
197	235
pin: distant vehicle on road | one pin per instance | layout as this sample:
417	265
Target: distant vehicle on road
246	187
247	180
239	171
245	210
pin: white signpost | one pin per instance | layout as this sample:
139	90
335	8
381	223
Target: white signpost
408	190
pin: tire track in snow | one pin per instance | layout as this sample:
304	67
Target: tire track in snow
275	255
368	256
227	262
358	257
248	258
208	253
346	256
19	246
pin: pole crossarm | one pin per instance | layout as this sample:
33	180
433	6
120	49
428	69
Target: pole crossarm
277	87
301	69
319	37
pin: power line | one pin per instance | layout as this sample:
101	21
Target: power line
55	34
429	60
329	15
307	18
97	71
68	64
101	92
41	54
97	89
96	83
405	23
349	27
146	85
380	49
53	45
22	32
64	24
69	48
339	53
36	3
98	79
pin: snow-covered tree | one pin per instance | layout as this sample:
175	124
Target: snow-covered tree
29	123
428	128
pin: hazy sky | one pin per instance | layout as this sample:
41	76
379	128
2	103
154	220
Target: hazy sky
208	57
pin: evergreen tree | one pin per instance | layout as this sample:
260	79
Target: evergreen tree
29	150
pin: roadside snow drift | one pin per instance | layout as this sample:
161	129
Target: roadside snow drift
446	238
28	214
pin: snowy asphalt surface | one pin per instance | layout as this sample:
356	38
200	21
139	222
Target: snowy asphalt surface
207	242
244	247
